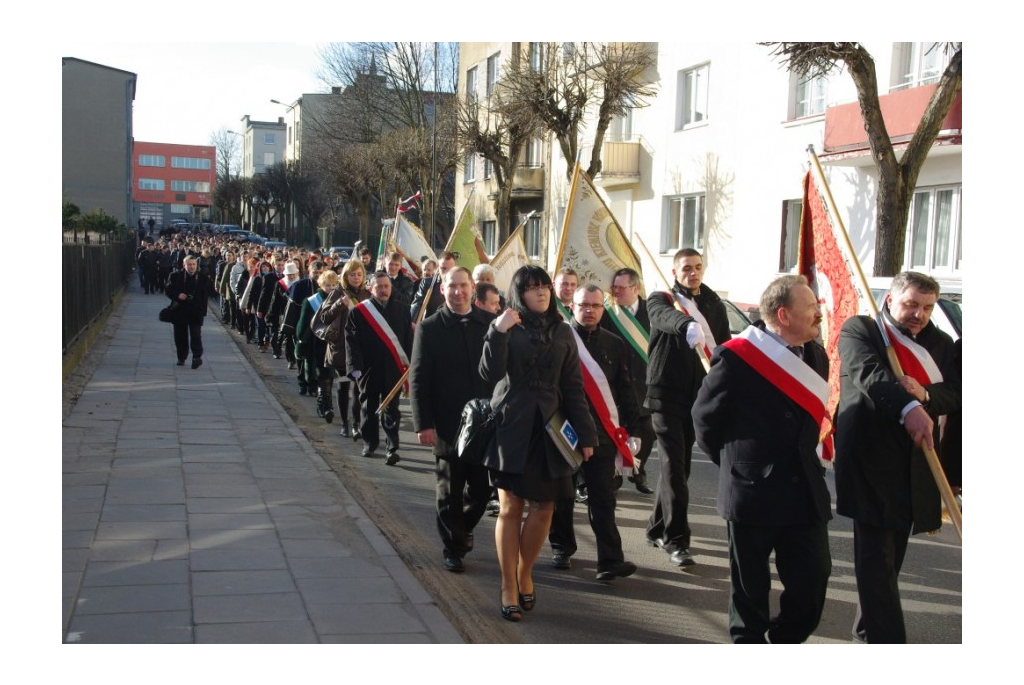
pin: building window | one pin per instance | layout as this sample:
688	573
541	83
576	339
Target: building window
190	186
268	158
620	129
151	160
493	71
790	242
536	57
490	236
289	135
469	168
534	153
151	184
269	138
190	163
471	94
181	209
488	169
685	226
934	229
918	64
807	95
693	96
531	236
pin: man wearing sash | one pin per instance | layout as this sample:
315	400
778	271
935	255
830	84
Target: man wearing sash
627	317
691	315
566	283
444	376
613	406
882	479
759	417
379	338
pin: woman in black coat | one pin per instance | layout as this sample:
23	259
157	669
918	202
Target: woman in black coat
531	354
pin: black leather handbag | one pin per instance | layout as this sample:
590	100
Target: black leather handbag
170	313
476	430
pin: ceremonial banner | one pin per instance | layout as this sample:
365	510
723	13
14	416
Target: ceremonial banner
509	258
832	272
592	242
410	239
466	239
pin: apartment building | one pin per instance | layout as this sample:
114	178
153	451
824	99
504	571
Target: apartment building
717	159
173	182
96	152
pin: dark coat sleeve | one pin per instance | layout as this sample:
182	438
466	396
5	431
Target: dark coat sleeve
664	316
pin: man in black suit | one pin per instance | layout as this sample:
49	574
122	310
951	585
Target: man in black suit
445	356
191	290
433	286
882	479
603	358
691	315
759	416
628	319
378	337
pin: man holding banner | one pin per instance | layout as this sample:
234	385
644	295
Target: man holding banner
759	416
691	315
882	479
378	338
609	390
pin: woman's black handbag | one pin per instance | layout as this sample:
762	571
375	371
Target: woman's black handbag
476	430
170	313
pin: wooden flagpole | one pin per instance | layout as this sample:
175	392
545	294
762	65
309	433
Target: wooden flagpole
946	492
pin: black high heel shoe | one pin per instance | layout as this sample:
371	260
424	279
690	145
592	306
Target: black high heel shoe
511	612
527	602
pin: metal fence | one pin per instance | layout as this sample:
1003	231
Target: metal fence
93	274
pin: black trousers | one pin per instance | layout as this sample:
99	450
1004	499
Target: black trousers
599	472
878	555
188	335
369	400
669	520
804	563
462	494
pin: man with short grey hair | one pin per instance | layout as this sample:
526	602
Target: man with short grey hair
191	290
759	416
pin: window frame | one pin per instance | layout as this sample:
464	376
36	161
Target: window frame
152	160
796	97
954	239
156	184
493	72
670	246
789	240
686	106
469	168
489	236
532	233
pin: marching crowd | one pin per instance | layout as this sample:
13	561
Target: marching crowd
614	375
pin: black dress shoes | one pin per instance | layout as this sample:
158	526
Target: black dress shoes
561	561
620	569
197	362
454	564
393	458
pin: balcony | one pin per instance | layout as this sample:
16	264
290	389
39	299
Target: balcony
620	164
846	140
528	182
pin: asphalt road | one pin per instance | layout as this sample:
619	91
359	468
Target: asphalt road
660	603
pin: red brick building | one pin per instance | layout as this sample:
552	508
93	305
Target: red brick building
173	181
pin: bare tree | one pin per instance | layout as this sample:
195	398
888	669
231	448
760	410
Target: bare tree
229	150
897	178
564	83
396	91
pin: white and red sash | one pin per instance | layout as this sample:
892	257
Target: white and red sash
599	392
383	330
283	282
916	361
789	374
690	308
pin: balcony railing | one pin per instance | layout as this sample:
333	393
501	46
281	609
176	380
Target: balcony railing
902	111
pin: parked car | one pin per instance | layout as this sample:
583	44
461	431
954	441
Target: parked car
738	320
274	244
345	252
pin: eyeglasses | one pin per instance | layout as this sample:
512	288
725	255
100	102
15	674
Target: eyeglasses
537	288
585	306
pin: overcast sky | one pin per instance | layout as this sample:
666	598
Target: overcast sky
185	91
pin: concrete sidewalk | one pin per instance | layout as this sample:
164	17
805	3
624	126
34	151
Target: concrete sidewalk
194	510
